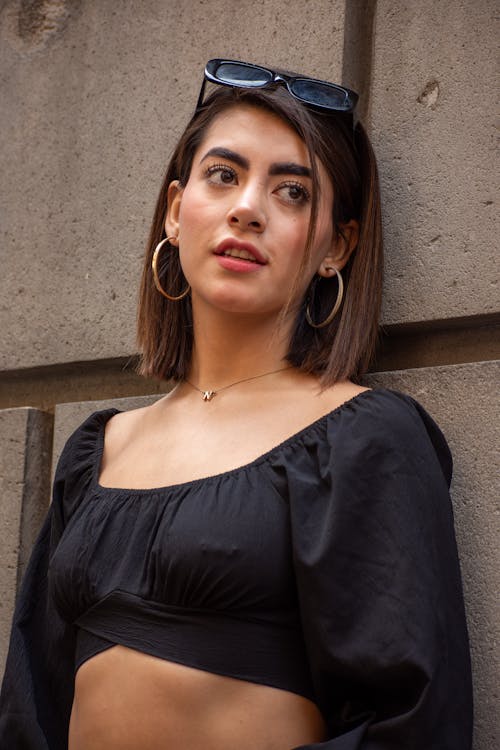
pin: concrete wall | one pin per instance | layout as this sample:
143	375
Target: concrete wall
433	129
461	398
93	97
25	451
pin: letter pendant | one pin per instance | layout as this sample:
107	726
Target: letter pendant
208	395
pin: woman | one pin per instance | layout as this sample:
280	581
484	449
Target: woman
265	557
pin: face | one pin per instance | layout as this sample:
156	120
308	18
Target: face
242	218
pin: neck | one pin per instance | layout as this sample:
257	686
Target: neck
229	347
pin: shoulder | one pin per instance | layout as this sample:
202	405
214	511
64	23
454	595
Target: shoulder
385	410
378	425
88	437
379	450
81	458
386	413
123	424
82	440
125	427
78	461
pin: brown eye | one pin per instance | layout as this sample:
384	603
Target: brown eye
294	193
221	174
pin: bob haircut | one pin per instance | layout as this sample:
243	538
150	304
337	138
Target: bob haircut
341	350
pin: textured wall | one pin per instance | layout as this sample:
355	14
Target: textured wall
93	97
462	400
25	449
435	133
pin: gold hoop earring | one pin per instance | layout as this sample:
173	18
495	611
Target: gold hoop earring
156	278
334	309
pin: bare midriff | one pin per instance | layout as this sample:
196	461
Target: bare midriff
127	700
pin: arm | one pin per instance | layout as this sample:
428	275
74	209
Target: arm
37	689
379	587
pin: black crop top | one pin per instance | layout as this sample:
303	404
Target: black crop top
326	567
199	573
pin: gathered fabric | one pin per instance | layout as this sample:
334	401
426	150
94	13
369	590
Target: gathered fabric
326	567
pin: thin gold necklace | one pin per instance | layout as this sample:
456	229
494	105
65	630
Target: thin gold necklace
209	395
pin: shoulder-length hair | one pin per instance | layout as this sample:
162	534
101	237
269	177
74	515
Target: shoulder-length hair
338	351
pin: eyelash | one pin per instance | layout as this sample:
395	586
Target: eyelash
214	168
304	198
305	195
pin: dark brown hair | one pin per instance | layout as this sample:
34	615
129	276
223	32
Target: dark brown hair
338	351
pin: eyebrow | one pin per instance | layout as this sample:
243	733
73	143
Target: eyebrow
277	168
290	167
226	153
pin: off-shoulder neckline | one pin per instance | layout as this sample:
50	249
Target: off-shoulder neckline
263	458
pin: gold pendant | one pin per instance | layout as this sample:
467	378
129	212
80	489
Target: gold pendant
208	395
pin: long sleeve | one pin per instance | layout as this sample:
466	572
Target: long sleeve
37	690
379	584
38	685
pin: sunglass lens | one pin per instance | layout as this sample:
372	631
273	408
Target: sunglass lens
315	92
242	75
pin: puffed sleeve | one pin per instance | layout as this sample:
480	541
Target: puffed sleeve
379	583
37	689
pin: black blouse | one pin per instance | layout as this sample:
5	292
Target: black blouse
327	567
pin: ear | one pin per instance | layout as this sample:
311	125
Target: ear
174	196
342	247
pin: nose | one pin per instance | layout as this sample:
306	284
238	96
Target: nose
247	211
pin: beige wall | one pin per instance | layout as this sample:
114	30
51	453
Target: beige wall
93	96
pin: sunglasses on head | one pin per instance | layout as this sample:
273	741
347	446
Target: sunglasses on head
321	95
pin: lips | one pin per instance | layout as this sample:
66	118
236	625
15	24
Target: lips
232	248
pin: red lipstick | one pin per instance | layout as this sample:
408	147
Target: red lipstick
234	263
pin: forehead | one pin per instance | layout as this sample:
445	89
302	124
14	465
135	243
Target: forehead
246	126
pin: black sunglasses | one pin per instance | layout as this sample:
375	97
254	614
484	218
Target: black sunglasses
311	91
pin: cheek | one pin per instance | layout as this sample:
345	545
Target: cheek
291	233
190	209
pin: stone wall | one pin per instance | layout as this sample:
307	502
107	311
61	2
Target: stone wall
94	95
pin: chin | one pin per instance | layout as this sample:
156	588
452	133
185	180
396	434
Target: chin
237	306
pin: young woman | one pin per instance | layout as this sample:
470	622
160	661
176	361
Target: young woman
265	557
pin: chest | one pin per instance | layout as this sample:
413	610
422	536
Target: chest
185	440
221	544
